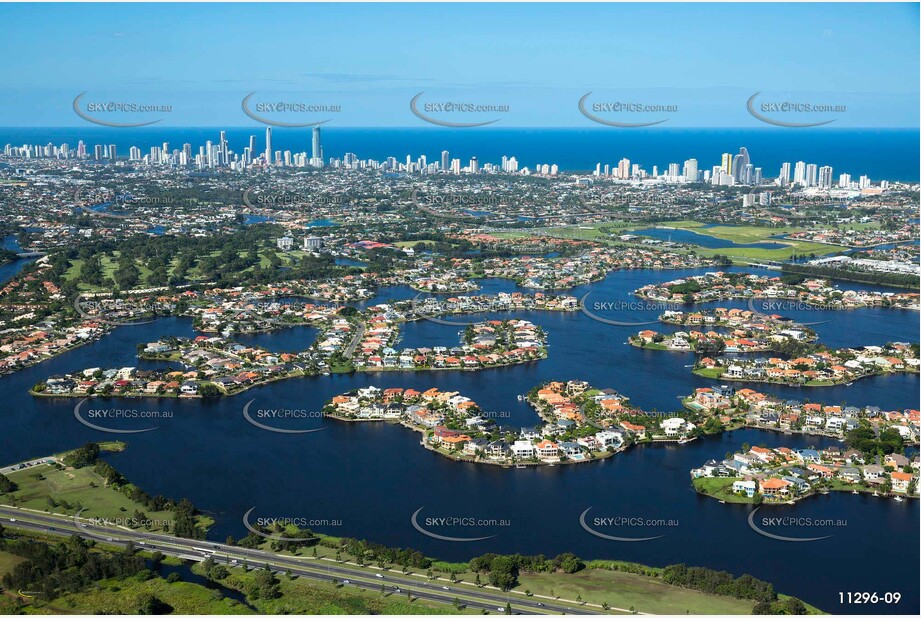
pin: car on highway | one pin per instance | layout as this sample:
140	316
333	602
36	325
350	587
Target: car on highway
539	604
345	581
445	588
12	519
379	575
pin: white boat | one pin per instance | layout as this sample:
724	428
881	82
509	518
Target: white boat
520	397
855	492
898	498
875	494
520	466
722	502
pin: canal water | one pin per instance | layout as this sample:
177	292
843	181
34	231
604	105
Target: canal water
367	480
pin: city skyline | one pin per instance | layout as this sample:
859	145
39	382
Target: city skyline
733	169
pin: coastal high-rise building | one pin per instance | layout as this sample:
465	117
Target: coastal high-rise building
97	152
825	176
690	170
844	181
317	148
112	153
673	172
726	163
812	174
799	173
445	160
222	150
739	163
623	168
268	145
784	174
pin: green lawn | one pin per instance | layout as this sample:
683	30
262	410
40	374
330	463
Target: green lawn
120	596
70	490
8	562
721	489
747	234
714	372
626	590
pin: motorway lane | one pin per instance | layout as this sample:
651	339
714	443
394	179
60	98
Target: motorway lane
309	567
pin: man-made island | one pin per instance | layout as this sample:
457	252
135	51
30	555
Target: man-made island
758	474
580	423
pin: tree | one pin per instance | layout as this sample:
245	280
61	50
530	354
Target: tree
6	485
149	605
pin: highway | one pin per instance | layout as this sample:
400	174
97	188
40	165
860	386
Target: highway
323	569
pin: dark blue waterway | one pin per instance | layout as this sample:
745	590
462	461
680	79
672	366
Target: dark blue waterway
890	154
703	240
11	269
372	477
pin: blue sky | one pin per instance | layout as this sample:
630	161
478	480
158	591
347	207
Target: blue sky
536	59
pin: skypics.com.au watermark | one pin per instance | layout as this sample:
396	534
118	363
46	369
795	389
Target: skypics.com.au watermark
100	202
767	307
781	112
625	528
447	112
474	203
295	200
105	112
272	112
130	522
117	414
272	418
792	528
619	312
116	311
274	528
456	528
614	113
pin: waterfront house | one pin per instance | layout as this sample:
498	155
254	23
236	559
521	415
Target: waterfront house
873	473
775	487
900	481
522	449
746	487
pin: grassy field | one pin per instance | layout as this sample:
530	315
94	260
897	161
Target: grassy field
121	596
574	232
110	265
628	590
721	489
747	234
714	372
46	488
8	562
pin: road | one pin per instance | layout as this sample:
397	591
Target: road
350	349
26	464
323	569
